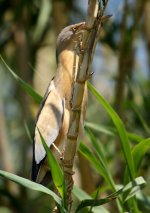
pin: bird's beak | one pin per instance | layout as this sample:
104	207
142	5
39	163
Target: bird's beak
81	26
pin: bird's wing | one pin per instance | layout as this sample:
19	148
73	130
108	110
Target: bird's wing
49	122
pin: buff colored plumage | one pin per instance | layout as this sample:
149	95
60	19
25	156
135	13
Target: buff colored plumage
53	117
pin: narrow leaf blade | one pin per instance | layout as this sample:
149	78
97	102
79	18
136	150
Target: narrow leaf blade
129	190
82	195
56	171
139	151
30	184
120	128
37	98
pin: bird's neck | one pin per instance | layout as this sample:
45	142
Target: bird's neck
68	61
66	73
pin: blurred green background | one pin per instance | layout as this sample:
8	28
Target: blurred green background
121	66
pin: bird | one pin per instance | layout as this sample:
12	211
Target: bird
53	117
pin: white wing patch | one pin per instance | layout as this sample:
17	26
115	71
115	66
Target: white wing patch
49	123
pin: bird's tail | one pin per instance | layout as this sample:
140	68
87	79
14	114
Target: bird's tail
35	170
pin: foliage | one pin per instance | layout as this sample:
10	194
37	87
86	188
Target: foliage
117	130
98	161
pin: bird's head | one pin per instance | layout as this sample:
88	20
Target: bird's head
67	37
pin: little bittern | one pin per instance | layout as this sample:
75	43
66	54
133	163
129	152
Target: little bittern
54	114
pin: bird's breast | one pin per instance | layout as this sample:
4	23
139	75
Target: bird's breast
66	73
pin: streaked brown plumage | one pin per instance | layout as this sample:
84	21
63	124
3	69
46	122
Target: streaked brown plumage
53	117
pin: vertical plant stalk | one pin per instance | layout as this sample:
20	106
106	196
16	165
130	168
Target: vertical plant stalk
86	49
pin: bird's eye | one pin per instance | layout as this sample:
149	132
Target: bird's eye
74	29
